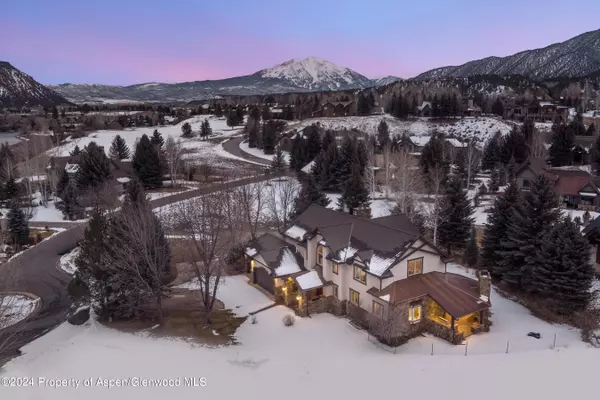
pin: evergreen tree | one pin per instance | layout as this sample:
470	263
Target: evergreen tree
205	129
492	152
232	119
595	156
309	194
186	130
454	229
268	138
514	146
591	130
218	110
76	151
539	213
328	140
63	181
253	136
562	273
17	225
561	149
577	126
383	135
471	254
362	155
347	157
94	167
313	146
278	164
496	229
157	139
54	112
355	194
11	189
147	164
298	153
498	107
326	167
118	149
70	205
434	154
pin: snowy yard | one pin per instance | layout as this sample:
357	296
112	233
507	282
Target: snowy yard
202	151
379	207
15	308
316	355
480	127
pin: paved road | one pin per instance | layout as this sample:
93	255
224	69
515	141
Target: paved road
39	273
233	147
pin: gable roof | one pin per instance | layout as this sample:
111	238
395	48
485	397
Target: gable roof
456	294
280	257
571	182
398	221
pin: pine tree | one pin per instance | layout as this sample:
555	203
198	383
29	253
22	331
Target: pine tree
76	151
562	273
232	119
118	149
11	189
278	164
383	135
268	138
157	139
355	194
70	204
595	155
317	167
94	167
205	129
61	185
538	213
309	194
434	154
496	229
328	140
561	149
347	157
492	152
313	145
186	130
498	107
298	153
17	225
147	164
454	229
591	130
514	146
253	136
471	254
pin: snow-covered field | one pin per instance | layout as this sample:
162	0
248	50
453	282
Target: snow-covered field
203	151
322	354
379	207
480	127
15	308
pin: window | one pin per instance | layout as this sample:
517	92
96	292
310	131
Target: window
335	268
335	291
354	297
320	250
414	313
415	266
377	309
360	275
525	183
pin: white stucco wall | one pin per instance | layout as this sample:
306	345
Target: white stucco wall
431	263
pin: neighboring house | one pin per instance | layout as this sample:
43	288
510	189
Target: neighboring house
424	110
472	110
592	233
575	188
336	109
539	111
374	271
286	139
592	117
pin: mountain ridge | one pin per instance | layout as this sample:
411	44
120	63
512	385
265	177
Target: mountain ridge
17	89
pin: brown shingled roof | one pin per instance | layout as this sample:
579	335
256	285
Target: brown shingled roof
456	294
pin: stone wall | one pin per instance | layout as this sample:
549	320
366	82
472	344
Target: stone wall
337	307
358	315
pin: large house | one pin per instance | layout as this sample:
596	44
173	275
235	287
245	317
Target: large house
336	109
374	271
539	111
575	188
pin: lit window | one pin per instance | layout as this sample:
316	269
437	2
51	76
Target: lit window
415	266
354	297
360	275
335	268
414	313
377	309
320	255
335	291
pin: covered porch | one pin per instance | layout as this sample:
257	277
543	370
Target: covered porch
310	294
457	326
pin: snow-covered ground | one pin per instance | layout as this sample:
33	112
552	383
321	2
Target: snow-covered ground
260	154
379	207
67	261
236	294
480	127
15	308
322	354
202	151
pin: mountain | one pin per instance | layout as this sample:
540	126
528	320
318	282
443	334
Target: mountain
385	80
575	57
309	74
18	89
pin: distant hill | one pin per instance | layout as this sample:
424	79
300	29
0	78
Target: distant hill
18	89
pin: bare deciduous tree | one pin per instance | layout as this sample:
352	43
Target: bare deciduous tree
472	159
409	180
251	199
537	147
173	151
280	201
10	333
434	214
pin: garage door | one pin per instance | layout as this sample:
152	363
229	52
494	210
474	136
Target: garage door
261	277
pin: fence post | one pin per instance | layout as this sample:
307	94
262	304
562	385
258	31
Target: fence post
466	348
431	348
507	345
554	342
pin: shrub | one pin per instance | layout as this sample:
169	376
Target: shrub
253	320
289	320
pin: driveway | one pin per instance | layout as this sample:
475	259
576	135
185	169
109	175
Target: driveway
232	146
39	275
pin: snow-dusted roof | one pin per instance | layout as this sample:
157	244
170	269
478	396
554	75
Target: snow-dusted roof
308	167
546	103
295	232
309	280
251	252
385	297
420	140
424	104
123	179
72	168
378	265
288	265
456	143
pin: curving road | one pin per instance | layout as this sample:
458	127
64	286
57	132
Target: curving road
39	275
232	146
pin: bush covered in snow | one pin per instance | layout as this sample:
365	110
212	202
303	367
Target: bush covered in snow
289	320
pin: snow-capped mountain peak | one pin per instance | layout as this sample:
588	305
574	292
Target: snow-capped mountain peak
18	89
315	73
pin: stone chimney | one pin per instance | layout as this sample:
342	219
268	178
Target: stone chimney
470	103
485	284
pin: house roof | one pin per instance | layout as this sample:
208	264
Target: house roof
456	294
280	257
571	182
377	243
309	280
